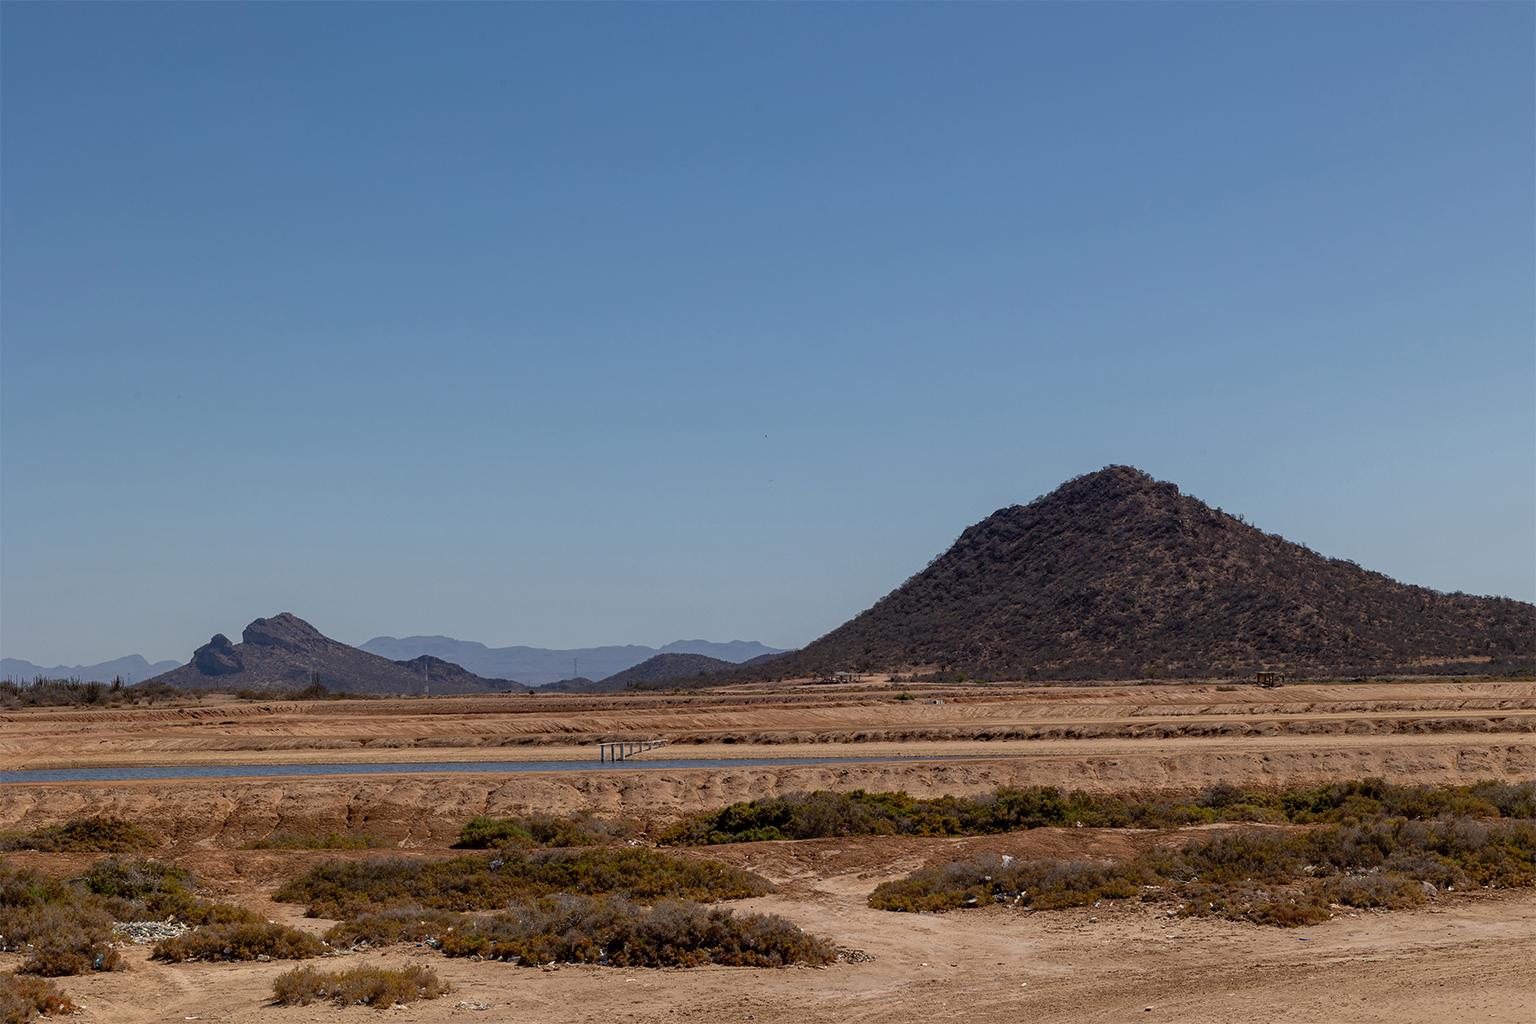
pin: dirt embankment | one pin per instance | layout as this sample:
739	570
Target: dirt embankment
734	723
426	808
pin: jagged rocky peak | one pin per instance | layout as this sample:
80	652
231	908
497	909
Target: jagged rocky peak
285	630
217	657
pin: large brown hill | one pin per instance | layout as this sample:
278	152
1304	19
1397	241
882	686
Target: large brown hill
1116	575
286	653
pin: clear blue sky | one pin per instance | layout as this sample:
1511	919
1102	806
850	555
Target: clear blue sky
586	324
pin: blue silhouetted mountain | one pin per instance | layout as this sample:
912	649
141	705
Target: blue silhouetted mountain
131	669
537	666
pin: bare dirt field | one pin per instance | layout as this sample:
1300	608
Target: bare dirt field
1462	957
820	721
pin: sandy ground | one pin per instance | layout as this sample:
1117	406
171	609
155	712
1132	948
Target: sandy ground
1463	957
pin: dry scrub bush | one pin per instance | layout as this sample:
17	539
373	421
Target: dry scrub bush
146	889
23	998
484	833
397	924
61	930
239	941
327	841
66	927
1042	884
378	987
343	889
824	814
618	933
82	835
1285	879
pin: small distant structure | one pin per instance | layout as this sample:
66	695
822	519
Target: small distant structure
1269	680
839	677
623	750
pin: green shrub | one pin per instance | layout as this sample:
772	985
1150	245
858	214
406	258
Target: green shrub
1042	884
616	932
62	921
142	889
397	924
825	814
23	998
239	941
485	833
306	841
343	889
61	930
1387	891
66	927
58	955
378	987
83	835
1273	905
1277	878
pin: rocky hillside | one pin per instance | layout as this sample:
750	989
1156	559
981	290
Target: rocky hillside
665	668
287	653
1117	575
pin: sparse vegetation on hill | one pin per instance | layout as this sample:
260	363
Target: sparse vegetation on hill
311	841
43	692
824	814
548	830
666	669
1117	575
1274	878
82	835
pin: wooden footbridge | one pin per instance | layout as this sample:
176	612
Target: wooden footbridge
623	750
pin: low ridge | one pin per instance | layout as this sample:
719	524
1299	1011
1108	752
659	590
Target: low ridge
1116	575
666	667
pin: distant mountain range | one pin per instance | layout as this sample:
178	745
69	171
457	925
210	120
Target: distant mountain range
1115	575
131	669
536	666
286	653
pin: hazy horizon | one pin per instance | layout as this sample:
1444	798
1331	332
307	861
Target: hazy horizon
569	325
